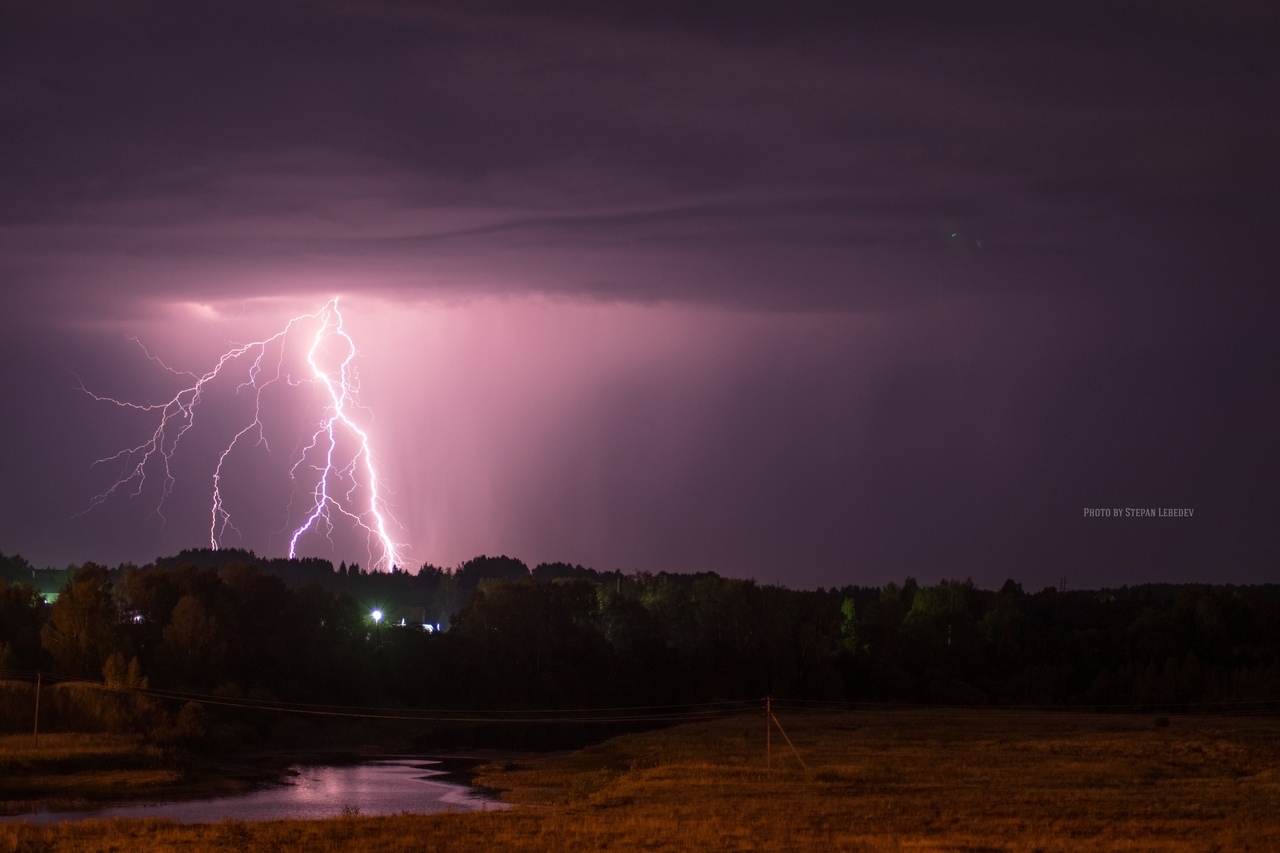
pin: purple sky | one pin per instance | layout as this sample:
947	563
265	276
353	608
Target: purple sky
816	293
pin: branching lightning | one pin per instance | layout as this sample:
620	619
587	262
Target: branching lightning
339	472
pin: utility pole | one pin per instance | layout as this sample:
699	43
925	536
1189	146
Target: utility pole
35	731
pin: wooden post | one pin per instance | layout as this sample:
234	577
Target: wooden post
35	731
768	732
787	738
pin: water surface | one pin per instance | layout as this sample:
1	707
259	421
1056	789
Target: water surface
381	787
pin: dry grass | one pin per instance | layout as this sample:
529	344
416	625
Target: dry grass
79	770
971	781
18	750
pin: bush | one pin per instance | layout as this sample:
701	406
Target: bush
187	730
17	706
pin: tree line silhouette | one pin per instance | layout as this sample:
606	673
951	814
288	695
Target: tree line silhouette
231	624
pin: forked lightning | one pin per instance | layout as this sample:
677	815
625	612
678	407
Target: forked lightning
338	474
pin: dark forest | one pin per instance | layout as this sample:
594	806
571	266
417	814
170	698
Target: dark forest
492	634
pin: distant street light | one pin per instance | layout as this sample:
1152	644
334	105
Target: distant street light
377	615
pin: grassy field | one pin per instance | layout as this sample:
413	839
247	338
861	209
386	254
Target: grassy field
72	771
75	769
877	781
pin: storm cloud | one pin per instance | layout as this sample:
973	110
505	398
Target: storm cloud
826	293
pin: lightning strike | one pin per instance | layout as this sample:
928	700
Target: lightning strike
338	457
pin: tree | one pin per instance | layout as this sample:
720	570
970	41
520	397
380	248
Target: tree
191	640
121	676
848	627
83	628
21	612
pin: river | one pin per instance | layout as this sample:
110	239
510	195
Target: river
374	787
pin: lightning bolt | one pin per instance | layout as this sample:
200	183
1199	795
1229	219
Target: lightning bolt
339	453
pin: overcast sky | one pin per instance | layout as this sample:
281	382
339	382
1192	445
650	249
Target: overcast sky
810	293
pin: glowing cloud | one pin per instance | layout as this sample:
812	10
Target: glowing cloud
336	467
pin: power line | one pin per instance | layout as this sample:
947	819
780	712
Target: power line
644	713
616	714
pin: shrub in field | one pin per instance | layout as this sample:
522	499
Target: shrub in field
187	729
81	707
17	706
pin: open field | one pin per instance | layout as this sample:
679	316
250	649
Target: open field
897	780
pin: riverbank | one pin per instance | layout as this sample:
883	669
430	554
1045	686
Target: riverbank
76	772
873	780
79	771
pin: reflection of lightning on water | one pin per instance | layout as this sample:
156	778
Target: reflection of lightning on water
338	474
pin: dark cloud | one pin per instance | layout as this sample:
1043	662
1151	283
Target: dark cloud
1066	212
852	132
